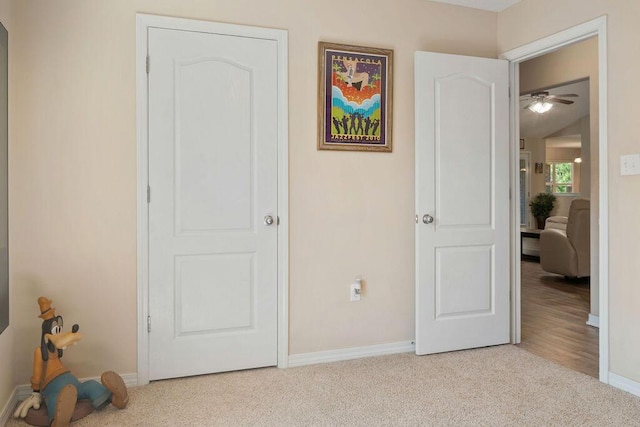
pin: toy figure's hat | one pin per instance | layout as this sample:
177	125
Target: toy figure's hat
46	311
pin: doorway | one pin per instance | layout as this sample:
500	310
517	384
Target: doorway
555	310
548	45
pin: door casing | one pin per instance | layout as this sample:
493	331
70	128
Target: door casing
596	27
143	22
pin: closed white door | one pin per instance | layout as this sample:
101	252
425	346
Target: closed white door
462	202
213	202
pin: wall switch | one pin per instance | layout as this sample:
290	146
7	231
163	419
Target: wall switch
630	164
355	290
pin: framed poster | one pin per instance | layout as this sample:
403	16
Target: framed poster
354	98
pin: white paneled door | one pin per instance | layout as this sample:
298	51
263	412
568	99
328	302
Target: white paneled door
462	202
213	244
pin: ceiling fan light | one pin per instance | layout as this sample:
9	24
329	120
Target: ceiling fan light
541	107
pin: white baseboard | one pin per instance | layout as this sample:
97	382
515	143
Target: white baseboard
350	353
24	390
7	411
623	383
593	320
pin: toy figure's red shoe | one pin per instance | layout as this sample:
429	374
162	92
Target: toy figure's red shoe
115	384
65	405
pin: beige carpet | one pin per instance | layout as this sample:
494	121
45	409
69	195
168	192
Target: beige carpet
502	385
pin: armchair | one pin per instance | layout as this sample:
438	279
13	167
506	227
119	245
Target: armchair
559	222
568	252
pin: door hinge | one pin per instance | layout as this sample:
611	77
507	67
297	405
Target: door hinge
147	64
148	194
148	71
149	324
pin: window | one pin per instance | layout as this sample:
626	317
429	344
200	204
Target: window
559	177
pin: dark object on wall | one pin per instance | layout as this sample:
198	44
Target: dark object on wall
4	191
541	206
539	167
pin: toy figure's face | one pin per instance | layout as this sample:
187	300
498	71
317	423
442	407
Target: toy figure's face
61	340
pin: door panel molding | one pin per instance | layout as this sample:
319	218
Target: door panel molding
280	37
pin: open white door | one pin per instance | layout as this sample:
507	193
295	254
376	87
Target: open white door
462	202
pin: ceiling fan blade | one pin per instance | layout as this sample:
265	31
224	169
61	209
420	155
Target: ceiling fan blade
560	101
539	94
566	95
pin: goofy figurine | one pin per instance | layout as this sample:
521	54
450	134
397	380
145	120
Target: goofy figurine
54	383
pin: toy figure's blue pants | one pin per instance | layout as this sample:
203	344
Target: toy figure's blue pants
91	389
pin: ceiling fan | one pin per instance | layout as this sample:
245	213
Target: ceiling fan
541	101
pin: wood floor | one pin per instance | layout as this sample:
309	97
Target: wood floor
554	315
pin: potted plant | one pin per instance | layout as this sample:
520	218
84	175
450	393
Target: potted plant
541	206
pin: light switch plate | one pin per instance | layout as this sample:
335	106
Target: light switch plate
630	164
355	291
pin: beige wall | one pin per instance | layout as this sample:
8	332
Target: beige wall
6	338
74	170
533	19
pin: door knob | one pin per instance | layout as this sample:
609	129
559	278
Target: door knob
268	220
427	219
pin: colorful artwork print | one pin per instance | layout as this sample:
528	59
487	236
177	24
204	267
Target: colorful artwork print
355	101
356	90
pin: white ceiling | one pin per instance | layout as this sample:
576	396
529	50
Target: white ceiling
492	5
534	125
